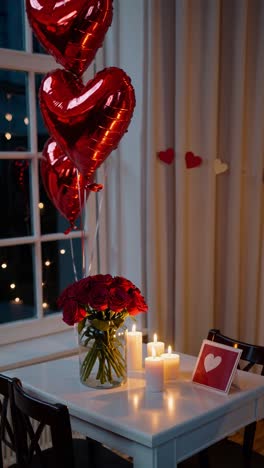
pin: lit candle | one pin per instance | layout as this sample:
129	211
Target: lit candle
157	345
134	349
171	364
154	372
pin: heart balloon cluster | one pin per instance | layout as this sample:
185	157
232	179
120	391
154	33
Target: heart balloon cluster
85	121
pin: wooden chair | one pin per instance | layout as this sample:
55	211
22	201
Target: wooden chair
227	453
66	452
6	430
251	356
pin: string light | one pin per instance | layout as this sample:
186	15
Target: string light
45	305
8	117
12	286
26	121
8	136
41	205
4	265
17	300
47	263
62	251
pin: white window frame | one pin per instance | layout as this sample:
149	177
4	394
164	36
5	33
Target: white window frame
32	63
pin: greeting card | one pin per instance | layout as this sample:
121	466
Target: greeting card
216	365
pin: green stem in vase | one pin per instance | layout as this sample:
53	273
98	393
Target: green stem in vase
105	349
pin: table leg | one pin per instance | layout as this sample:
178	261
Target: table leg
159	457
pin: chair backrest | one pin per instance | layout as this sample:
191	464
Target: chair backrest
6	429
27	408
251	354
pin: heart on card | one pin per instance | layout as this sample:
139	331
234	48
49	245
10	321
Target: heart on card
219	166
87	121
167	156
192	160
211	362
71	30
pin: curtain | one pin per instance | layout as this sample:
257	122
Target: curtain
192	239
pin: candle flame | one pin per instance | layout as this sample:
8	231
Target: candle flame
133	328
155	339
153	350
169	349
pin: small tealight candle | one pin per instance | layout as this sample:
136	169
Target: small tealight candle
157	345
171	364
134	349
154	372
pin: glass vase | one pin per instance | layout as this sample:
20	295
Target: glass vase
102	355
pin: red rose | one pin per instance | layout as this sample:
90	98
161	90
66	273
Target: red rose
81	289
72	312
137	302
101	279
118	299
98	297
124	283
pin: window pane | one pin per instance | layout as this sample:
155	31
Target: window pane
16	283
12	24
43	134
37	47
14	120
58	269
15	202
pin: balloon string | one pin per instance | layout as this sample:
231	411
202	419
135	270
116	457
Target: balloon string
73	262
82	224
97	227
82	235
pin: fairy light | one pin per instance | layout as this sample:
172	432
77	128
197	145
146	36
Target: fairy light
4	265
45	305
8	136
8	117
26	120
17	300
47	263
12	285
62	251
41	205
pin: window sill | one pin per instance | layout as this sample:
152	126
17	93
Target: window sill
45	348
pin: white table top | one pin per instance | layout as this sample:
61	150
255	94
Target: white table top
150	419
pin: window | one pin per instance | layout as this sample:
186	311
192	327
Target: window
37	260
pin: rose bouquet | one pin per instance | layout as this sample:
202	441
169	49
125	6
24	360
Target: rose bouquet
99	305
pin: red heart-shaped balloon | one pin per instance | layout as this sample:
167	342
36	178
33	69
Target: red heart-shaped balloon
167	156
71	30
87	121
62	181
192	160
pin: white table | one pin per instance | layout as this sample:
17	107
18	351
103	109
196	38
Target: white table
157	430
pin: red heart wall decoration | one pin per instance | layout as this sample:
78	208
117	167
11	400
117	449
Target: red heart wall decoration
192	160
87	121
62	182
167	156
71	30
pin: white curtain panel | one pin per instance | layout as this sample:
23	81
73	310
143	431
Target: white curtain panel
191	239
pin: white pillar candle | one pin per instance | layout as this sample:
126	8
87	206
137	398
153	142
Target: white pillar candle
171	364
157	345
154	372
134	349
